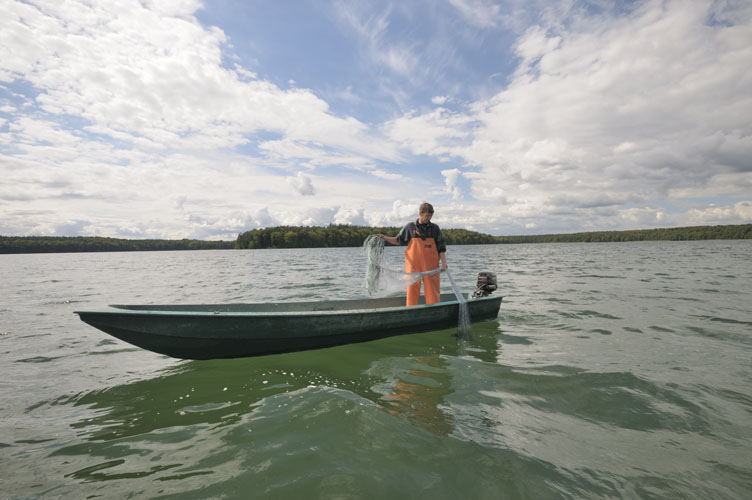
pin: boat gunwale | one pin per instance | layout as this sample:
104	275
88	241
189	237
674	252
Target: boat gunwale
122	309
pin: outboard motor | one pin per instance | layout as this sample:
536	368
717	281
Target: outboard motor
486	284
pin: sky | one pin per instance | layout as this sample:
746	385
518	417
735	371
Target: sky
204	119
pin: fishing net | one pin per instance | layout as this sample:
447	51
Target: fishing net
463	323
381	281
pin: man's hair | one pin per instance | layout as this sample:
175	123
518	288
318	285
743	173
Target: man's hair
426	208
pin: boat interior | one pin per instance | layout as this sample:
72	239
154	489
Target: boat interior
269	307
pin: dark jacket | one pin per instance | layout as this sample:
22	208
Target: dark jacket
418	230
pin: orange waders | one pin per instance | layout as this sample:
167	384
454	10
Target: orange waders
421	255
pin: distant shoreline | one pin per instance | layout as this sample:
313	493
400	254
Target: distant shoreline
338	236
76	244
689	233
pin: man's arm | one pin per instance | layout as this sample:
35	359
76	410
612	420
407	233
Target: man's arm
389	239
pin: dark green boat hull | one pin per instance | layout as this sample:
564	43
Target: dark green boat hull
238	330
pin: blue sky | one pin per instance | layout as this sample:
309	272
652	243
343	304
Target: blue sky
188	119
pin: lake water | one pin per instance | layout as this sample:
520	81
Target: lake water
613	371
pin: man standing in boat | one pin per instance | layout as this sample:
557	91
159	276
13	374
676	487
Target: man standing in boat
425	249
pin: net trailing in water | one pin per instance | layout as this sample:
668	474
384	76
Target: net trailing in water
463	324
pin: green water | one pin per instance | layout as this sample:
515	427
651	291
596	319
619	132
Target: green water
613	371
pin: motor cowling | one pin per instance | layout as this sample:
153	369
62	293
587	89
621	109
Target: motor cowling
486	284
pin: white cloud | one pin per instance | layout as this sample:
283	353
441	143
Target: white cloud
302	184
350	215
439	132
451	177
131	118
180	201
157	79
313	216
738	213
404	211
618	110
386	175
316	155
243	221
743	210
534	44
131	104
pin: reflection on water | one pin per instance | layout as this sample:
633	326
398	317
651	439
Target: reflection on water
418	390
419	394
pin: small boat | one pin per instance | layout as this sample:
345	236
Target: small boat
209	331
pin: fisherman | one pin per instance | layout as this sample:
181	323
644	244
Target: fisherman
425	249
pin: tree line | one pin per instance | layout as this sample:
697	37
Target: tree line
728	232
63	244
341	235
352	236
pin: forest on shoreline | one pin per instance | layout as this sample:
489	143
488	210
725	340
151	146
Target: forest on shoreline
66	244
729	232
340	236
353	236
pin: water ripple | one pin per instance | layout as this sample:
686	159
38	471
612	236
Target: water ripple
613	371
